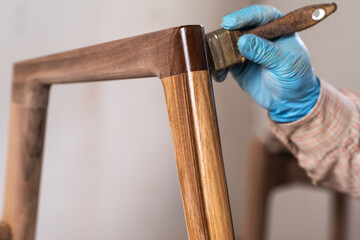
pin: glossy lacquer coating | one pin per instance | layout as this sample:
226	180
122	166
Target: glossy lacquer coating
198	155
176	55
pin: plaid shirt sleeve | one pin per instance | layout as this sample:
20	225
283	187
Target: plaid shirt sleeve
326	141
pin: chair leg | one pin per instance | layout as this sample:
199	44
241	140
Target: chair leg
26	138
257	192
5	233
177	55
339	216
197	147
265	171
268	170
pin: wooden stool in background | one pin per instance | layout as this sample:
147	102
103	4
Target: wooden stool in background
177	56
271	165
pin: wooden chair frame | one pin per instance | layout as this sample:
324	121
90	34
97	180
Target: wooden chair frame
270	166
178	57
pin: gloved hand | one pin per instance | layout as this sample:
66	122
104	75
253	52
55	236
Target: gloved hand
278	74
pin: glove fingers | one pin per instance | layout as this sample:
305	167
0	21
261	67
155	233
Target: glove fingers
250	16
238	70
261	51
250	77
220	75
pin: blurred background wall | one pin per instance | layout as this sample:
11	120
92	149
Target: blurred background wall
109	169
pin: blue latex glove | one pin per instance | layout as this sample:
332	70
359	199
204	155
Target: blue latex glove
278	74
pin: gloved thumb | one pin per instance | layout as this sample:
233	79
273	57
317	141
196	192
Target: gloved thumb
260	51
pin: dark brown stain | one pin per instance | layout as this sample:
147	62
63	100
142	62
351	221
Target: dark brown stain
5	233
292	22
175	53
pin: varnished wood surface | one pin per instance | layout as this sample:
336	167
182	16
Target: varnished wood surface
197	147
154	54
176	55
157	54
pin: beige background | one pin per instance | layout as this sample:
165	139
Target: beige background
109	170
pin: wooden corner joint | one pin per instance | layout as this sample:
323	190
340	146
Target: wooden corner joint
30	95
188	51
177	54
163	53
5	232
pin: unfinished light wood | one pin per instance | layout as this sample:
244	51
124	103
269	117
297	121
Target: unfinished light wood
168	54
197	147
270	166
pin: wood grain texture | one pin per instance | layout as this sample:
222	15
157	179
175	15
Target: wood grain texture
223	49
197	147
25	149
156	54
176	55
292	22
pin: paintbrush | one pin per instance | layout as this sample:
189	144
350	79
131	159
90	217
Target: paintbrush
222	47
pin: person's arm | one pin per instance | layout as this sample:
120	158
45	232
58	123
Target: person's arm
326	141
318	123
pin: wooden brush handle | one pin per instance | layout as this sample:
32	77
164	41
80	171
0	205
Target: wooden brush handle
292	22
222	44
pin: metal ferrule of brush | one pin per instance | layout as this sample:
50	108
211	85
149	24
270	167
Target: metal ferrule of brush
222	44
223	49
